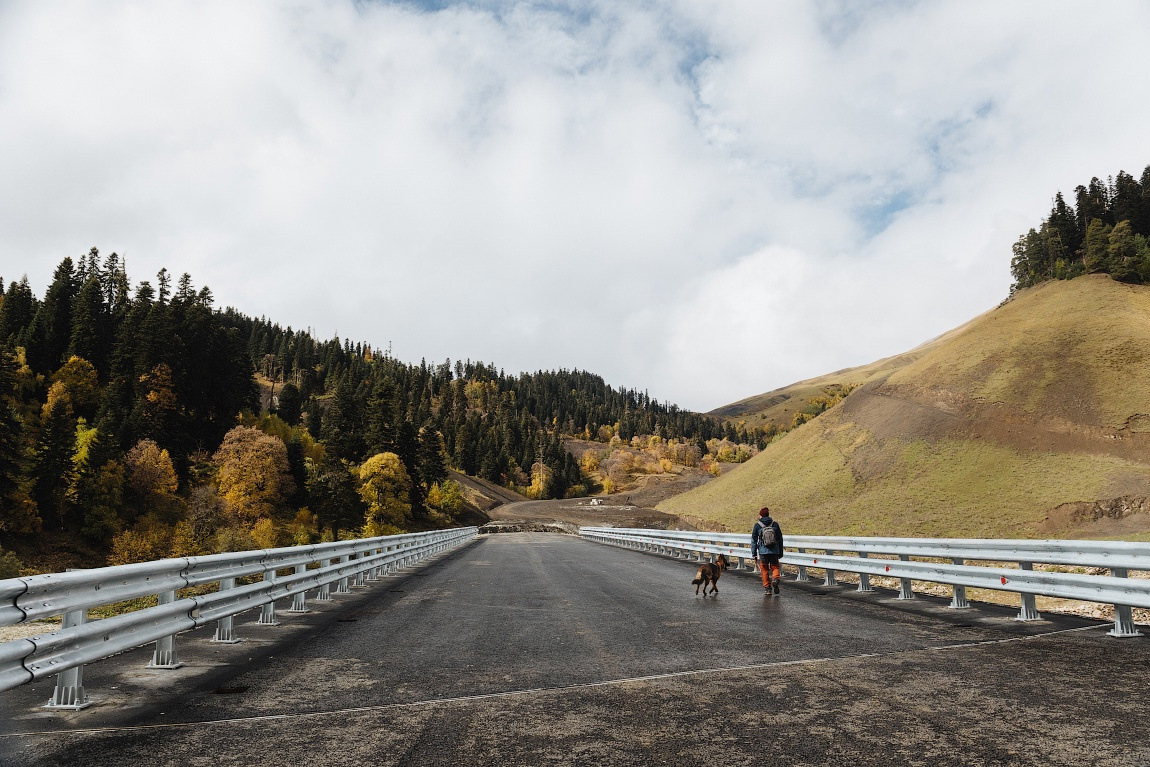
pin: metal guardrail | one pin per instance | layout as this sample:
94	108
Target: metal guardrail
77	642
891	557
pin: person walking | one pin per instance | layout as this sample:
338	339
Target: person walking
767	547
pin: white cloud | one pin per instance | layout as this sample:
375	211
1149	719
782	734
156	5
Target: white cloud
707	200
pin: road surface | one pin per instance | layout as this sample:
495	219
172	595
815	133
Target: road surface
545	649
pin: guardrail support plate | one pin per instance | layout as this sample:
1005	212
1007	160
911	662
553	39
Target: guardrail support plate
1124	627
1029	611
905	588
225	627
165	655
69	693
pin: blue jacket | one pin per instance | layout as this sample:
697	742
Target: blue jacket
756	534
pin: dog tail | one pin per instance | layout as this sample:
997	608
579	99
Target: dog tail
696	582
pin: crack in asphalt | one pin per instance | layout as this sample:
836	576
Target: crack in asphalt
540	690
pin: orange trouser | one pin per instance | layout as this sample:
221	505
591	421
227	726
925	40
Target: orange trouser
769	570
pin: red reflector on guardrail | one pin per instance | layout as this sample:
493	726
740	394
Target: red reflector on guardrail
888	568
1004	580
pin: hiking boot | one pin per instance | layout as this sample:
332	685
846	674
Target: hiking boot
775	588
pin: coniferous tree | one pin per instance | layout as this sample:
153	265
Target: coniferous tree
1122	253
342	424
16	311
1096	246
1092	202
1141	219
290	404
88	338
51	330
52	471
1126	198
332	491
432	463
15	514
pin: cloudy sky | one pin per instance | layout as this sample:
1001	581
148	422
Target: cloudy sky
705	199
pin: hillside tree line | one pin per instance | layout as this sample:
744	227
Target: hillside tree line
1105	231
146	423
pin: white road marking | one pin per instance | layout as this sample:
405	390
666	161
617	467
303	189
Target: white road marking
539	690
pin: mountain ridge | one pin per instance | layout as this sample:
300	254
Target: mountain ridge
1026	421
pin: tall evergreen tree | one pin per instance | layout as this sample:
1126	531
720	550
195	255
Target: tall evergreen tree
290	404
52	326
1126	199
1096	247
17	311
11	433
89	336
53	469
1122	253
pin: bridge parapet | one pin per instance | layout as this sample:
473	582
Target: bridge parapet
72	594
937	560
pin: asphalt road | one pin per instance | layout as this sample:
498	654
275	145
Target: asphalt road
544	649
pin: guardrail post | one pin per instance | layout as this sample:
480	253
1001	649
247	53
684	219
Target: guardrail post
958	601
829	579
357	581
268	611
324	593
225	627
802	575
70	693
165	656
864	578
904	587
342	586
1029	611
1123	615
299	601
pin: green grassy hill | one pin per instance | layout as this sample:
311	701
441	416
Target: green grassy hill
1032	420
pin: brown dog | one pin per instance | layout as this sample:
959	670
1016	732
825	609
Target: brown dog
708	575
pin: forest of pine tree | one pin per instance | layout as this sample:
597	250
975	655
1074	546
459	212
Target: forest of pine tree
131	425
1105	231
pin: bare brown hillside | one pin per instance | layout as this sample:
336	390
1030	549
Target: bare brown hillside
780	405
1031	420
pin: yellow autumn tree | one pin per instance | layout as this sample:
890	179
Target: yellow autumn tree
150	469
385	487
253	475
446	497
78	380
